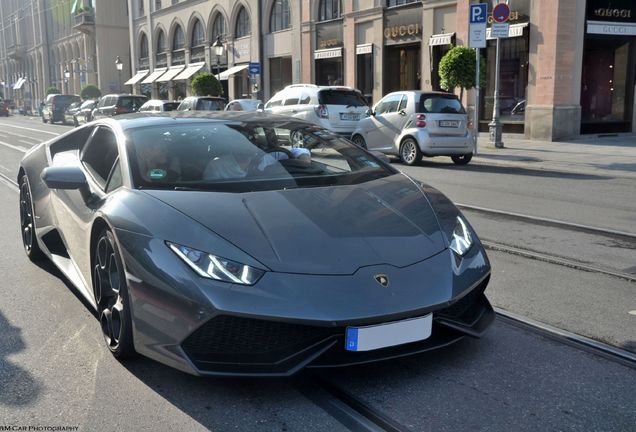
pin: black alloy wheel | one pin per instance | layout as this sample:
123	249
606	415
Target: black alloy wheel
27	225
462	159
111	296
410	152
359	141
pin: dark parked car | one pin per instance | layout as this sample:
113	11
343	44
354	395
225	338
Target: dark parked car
234	244
71	111
4	109
115	104
55	106
158	105
202	103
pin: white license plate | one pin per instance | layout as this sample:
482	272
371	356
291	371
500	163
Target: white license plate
350	116
389	334
449	123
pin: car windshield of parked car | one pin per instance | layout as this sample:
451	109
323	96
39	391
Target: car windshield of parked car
245	157
65	99
210	105
341	97
131	102
440	104
170	106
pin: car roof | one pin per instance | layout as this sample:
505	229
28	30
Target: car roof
143	119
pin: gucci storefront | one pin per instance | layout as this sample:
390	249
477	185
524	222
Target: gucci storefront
609	67
328	53
402	49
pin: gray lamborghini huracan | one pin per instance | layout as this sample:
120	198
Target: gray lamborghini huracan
250	244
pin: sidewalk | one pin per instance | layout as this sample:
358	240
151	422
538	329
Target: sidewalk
607	155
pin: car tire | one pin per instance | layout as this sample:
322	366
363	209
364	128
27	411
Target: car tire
462	159
27	222
359	141
111	296
410	153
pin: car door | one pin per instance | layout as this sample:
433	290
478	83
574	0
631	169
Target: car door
387	122
99	159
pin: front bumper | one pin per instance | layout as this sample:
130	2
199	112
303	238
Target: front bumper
287	321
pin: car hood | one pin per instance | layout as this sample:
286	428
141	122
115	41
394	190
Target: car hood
324	230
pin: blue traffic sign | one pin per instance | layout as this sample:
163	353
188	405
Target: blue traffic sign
501	13
254	68
478	13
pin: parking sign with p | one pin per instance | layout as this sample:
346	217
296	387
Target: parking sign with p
478	13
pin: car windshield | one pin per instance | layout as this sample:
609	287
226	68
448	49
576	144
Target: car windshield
131	102
341	97
65	100
440	104
170	106
245	157
210	105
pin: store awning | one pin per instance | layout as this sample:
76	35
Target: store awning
441	39
515	30
18	85
190	71
154	75
232	71
172	72
137	77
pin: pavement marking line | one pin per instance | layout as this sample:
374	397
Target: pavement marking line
13	134
7	181
27	142
632	312
11	146
31	129
2	167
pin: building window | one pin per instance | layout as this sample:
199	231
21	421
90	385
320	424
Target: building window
280	73
329	9
279	19
143	46
161	42
141	8
391	3
157	5
218	28
198	35
178	41
243	25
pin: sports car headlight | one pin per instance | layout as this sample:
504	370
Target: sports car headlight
214	267
461	240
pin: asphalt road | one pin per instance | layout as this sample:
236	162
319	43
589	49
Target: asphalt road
56	370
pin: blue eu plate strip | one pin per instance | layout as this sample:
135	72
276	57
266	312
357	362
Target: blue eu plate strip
352	339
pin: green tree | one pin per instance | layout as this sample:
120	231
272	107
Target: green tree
458	67
52	90
1	94
90	91
206	84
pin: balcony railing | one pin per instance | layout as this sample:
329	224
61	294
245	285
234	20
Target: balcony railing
84	22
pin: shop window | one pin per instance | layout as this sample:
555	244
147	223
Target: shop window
280	72
364	75
279	19
391	3
329	9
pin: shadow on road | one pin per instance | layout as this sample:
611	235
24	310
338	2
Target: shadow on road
510	170
17	386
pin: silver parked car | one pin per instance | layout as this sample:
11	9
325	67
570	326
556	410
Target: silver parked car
412	124
335	108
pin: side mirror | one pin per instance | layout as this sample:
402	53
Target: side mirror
370	113
67	178
384	158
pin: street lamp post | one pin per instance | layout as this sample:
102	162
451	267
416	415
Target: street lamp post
67	75
120	66
218	48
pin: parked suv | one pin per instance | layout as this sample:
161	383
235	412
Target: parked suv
115	104
55	105
202	103
335	108
412	124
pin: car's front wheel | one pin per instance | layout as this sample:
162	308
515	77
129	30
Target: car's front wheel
462	159
359	141
410	152
27	224
111	296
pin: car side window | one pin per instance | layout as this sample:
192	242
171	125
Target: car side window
388	104
292	97
115	180
403	103
100	154
304	98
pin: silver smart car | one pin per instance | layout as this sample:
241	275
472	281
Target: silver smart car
412	124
